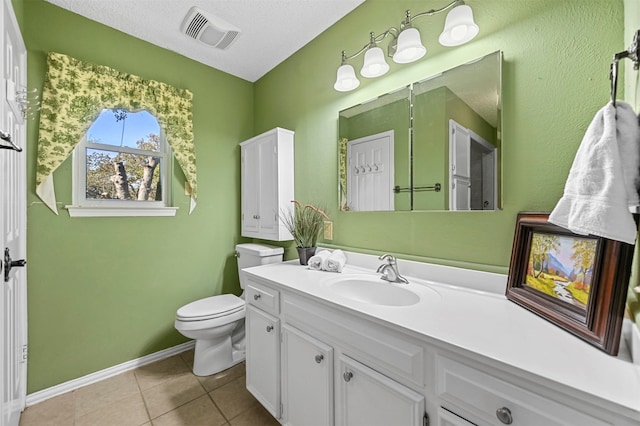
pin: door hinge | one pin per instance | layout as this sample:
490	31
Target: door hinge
425	420
25	353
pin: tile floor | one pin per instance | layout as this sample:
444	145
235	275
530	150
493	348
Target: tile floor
165	393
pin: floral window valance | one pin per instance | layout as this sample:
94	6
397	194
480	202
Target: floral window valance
74	94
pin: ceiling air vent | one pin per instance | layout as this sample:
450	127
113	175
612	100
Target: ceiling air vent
208	29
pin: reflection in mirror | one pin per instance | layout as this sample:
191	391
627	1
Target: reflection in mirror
434	145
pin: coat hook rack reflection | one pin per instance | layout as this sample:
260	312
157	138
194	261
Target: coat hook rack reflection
6	137
28	101
436	187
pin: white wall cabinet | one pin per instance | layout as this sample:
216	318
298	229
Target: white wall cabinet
267	164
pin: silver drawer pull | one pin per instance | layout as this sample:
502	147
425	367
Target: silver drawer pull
347	376
319	358
269	328
256	297
504	415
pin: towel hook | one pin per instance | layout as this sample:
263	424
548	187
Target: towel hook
633	53
7	138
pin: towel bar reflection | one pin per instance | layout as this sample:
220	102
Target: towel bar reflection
633	53
437	188
6	137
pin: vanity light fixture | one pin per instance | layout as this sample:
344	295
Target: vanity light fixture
406	45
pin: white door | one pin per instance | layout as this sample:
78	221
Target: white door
370	172
368	398
472	170
13	296
307	388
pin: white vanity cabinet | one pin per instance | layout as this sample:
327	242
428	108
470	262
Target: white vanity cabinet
330	361
267	184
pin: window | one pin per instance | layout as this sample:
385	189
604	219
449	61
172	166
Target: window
122	167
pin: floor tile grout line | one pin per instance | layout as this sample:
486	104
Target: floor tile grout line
144	401
227	421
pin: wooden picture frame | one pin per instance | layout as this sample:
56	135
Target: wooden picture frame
577	282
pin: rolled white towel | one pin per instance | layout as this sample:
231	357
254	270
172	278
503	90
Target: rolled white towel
335	262
316	261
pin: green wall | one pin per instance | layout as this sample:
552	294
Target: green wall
555	78
103	291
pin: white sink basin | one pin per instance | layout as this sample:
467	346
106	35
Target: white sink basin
373	290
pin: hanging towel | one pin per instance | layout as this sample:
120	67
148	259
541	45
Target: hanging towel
335	262
603	180
316	261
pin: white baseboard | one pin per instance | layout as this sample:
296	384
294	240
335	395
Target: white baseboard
43	395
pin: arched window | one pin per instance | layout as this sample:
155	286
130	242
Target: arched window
122	161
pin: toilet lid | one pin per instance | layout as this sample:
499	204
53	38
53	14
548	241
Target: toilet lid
211	307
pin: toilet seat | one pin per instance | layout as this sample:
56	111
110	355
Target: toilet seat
210	308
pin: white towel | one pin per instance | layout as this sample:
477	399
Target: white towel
603	179
335	262
316	261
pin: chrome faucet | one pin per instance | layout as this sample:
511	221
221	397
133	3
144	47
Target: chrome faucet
389	270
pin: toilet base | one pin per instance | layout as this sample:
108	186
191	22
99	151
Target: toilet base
212	356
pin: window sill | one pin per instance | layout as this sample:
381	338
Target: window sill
79	211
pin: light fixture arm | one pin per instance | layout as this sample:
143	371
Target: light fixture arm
408	20
373	41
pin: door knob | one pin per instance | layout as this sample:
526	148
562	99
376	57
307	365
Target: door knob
269	328
10	263
347	376
319	358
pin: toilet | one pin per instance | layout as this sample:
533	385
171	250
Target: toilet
217	323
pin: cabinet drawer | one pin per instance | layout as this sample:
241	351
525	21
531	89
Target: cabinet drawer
489	400
263	297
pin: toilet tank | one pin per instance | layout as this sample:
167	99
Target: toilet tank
249	255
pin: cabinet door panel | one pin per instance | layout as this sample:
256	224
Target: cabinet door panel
250	192
307	379
368	398
268	185
263	358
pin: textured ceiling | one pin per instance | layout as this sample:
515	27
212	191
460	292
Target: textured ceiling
270	30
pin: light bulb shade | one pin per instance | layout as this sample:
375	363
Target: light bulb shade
346	79
459	27
409	47
374	63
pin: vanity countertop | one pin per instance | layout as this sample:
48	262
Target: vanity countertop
453	311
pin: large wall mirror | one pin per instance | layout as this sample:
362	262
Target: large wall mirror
433	145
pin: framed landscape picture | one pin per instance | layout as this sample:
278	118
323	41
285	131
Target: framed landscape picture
578	282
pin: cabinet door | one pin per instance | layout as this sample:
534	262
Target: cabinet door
250	191
368	398
268	185
307	388
263	358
